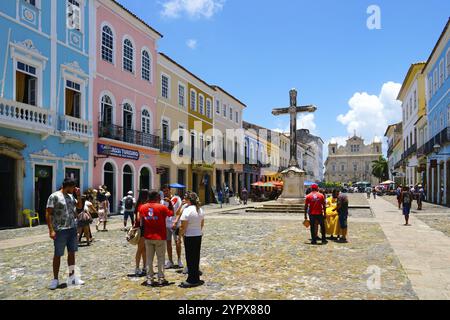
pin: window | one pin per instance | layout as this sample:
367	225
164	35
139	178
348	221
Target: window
146	66
107	44
224	110
193	99
441	73
435	76
448	63
26	84
146	122
73	99
231	113
415	100
181	95
107	110
73	14
165	130
201	104
165	86
128	56
32	2
217	106
430	88
237	117
208	108
355	167
127	116
342	167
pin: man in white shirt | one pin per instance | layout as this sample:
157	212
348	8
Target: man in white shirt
172	233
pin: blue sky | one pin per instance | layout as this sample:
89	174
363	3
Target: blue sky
259	49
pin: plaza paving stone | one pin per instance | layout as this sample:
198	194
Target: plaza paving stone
241	259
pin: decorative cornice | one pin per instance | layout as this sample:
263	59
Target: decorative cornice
43	153
74	156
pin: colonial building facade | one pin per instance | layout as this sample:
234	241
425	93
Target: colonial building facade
352	162
45	94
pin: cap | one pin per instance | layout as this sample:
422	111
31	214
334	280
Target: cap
315	187
130	193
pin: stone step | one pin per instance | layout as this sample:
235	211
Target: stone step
266	210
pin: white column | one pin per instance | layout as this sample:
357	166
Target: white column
428	182
444	198
432	184
438	197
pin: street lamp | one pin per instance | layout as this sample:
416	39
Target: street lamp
437	148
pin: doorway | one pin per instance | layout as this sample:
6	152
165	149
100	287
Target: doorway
144	179
43	188
127	180
109	178
8	210
195	183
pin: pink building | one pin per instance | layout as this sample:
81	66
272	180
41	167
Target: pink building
125	100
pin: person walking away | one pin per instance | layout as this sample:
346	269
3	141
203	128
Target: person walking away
368	192
374	191
102	210
244	194
220	198
171	233
342	210
192	223
60	216
407	199
316	206
129	208
153	221
140	251
85	219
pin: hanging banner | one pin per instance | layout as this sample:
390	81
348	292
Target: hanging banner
117	152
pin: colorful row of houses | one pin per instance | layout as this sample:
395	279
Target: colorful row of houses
85	93
419	145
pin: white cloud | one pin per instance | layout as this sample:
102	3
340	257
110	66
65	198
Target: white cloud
193	8
192	44
369	115
306	121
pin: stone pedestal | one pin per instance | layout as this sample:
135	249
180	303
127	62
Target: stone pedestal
294	186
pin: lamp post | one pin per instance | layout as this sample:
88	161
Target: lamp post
437	149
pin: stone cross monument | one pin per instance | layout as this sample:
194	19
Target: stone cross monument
294	176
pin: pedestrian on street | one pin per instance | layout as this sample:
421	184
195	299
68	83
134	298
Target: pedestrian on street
192	223
368	192
129	208
140	251
420	196
103	204
60	216
342	209
315	205
153	216
407	199
220	198
172	233
244	195
398	193
374	191
84	219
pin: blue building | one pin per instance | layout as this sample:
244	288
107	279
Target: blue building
45	109
437	75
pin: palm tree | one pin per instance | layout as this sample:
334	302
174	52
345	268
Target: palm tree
380	169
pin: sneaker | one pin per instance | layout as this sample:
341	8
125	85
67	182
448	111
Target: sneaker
54	284
144	272
169	265
137	272
151	281
74	281
180	264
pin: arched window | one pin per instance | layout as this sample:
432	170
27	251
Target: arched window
146	122
107	110
201	104
127	182
145	179
128	55
146	66
107	44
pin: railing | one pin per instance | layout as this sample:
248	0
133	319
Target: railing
412	150
441	138
118	133
75	126
167	146
25	115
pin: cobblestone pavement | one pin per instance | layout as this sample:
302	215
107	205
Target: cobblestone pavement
241	259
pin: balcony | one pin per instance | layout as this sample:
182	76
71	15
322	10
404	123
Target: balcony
118	133
75	129
166	146
26	117
412	150
441	138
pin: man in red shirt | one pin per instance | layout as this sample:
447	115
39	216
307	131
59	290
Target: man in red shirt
153	225
315	206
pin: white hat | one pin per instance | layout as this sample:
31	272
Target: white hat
130	193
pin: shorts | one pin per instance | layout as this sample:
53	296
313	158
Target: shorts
66	238
343	221
406	210
128	214
173	234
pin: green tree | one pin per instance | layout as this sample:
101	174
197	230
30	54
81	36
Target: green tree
380	169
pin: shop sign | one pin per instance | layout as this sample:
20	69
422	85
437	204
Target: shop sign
117	152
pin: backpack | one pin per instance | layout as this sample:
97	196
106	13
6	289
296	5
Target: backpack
407	198
129	203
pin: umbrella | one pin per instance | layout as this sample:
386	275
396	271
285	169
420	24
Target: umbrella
388	182
177	186
278	183
258	184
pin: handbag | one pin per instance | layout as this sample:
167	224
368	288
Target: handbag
307	224
85	217
133	236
